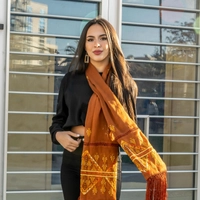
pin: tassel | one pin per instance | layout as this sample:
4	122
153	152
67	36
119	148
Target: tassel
157	187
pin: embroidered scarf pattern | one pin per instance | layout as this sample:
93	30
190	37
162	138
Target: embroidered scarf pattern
108	126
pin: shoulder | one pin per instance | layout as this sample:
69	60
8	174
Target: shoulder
72	76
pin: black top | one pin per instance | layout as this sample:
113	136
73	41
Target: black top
72	104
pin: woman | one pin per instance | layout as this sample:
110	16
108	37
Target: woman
97	101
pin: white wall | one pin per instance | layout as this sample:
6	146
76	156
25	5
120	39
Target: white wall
3	54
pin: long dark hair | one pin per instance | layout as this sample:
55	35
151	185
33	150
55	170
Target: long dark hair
121	83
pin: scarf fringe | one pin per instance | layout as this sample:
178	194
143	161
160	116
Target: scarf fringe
157	187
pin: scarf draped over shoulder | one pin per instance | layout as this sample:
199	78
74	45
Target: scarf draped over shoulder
107	127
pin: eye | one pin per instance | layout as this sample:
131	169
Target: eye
104	38
90	39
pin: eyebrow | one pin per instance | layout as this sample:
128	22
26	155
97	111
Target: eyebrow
94	36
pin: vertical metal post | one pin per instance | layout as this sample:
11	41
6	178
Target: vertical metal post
197	195
4	74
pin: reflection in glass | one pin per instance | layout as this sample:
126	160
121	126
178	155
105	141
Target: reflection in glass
157	16
162	89
167	107
29	162
28	142
158	35
159	53
63	26
177	18
176	143
145	2
190	4
29	182
130	14
179	4
52	7
38	64
163	71
47	45
140	33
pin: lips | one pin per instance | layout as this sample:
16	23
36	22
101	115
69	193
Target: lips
97	52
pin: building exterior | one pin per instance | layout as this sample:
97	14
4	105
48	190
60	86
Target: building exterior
161	42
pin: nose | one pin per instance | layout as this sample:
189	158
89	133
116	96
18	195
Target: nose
97	44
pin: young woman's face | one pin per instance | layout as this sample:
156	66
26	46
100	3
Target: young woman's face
96	45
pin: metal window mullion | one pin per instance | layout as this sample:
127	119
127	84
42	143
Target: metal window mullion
35	152
62	17
44	35
32	93
35	73
136	79
130	60
41	54
173	135
159	26
169	98
168	189
160	7
168	171
168	116
32	191
29	132
60	191
33	172
165	80
159	44
31	113
161	62
170	153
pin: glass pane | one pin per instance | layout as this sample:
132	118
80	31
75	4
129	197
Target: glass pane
29	142
139	33
178	36
145	2
31	83
30	162
159	53
166	89
29	122
46	25
132	195
52	7
183	195
177	18
155	16
21	102
47	45
179	162
39	64
183	180
29	182
34	196
133	180
159	35
130	14
176	144
162	71
166	107
190	4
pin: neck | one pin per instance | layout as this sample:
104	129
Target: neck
100	66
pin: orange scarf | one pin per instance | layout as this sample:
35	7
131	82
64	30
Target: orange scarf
108	126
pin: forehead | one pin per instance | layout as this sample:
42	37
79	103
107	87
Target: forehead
95	29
